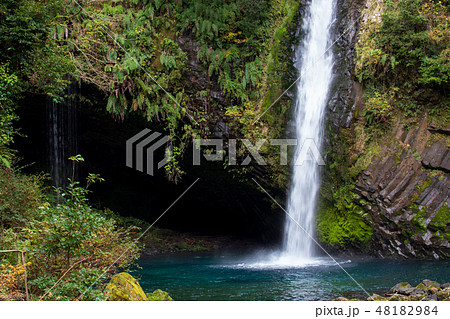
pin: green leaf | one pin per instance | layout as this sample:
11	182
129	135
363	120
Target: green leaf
5	162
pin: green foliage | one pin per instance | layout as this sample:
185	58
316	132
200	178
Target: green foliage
377	109
73	235
62	229
70	244
410	47
134	51
9	89
217	22
232	38
19	197
49	72
403	34
27	44
129	53
73	285
435	71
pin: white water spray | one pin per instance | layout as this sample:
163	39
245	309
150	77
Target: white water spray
315	66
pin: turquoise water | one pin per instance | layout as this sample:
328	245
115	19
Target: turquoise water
216	277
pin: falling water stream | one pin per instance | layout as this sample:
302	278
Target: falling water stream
61	136
315	64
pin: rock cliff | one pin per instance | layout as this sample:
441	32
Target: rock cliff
401	187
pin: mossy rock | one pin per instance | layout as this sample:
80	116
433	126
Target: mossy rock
159	295
433	290
421	286
432	286
376	297
398	297
123	287
444	294
430	283
401	288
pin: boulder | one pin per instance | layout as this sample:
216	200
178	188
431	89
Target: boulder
403	288
420	289
443	294
431	284
159	295
123	287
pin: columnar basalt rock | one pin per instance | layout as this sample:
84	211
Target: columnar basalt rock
408	202
405	190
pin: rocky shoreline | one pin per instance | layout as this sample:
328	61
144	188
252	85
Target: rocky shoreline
427	290
163	241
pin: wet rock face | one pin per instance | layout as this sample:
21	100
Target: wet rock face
345	93
437	157
198	80
407	190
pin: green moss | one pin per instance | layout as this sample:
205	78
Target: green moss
423	186
441	219
343	227
123	287
419	221
159	295
421	286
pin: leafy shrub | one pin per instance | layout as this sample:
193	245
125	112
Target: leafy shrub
409	46
28	46
435	71
73	237
9	89
11	281
377	109
70	245
19	197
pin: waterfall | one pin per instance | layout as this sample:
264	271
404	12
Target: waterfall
315	66
61	128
